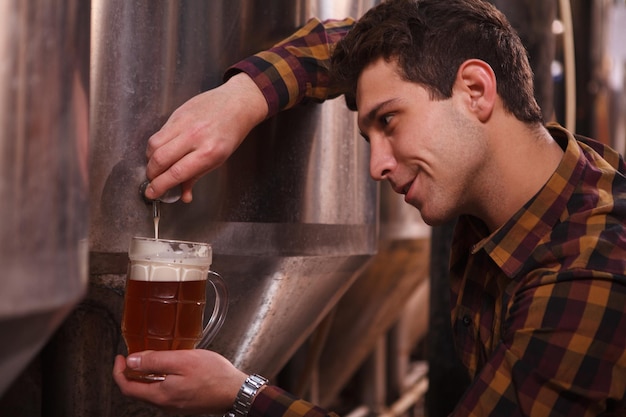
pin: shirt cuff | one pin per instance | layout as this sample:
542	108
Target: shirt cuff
275	402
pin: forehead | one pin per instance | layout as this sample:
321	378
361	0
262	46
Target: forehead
380	84
378	77
376	73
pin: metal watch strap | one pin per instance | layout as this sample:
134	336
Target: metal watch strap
246	394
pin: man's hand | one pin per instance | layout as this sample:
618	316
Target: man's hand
201	134
197	381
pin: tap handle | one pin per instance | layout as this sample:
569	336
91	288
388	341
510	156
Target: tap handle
170	196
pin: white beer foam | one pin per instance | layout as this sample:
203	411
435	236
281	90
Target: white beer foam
164	260
172	249
162	272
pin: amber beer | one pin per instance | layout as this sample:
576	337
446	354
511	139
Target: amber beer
163	315
165	296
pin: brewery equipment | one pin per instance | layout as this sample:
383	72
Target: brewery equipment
378	296
43	172
291	216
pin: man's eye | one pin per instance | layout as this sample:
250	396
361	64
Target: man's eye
386	119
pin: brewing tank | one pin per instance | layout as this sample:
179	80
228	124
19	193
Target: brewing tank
291	216
44	55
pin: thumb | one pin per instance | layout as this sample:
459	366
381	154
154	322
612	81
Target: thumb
171	362
133	361
144	361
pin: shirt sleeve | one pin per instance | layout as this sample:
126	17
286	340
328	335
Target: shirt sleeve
272	401
562	352
296	69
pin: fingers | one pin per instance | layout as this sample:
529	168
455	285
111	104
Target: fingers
165	148
182	159
128	387
187	194
141	390
196	380
201	134
118	367
184	171
143	363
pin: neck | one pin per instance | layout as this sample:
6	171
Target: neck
524	158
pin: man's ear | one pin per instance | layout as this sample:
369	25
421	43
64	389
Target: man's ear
476	80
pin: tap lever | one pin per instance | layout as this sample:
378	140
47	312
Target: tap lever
170	196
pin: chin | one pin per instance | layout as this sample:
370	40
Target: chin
434	220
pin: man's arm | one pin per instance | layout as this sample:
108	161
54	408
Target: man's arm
201	134
273	401
296	69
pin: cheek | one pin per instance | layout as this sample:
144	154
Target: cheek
410	145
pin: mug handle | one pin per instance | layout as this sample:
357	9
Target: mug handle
219	310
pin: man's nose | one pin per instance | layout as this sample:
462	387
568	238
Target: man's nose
382	161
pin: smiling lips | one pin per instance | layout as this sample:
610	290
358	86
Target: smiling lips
402	190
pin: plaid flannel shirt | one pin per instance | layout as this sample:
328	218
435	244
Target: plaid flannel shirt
538	306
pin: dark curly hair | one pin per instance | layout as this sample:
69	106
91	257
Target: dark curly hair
430	39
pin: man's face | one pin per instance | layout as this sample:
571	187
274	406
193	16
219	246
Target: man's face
428	150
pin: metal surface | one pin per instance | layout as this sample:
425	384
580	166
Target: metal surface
608	54
291	216
379	295
44	50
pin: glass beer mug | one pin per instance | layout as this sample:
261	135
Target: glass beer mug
166	293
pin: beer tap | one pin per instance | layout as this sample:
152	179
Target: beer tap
170	196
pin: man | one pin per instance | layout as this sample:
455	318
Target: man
444	96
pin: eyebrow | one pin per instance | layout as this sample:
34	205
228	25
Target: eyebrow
371	115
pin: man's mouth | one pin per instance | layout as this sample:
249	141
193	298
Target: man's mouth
403	189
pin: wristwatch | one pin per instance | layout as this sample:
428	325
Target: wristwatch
246	394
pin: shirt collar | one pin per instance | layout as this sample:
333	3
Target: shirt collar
513	243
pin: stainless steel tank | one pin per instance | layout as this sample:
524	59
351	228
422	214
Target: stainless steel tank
44	50
378	297
291	216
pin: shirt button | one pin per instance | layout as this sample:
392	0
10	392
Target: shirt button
467	320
